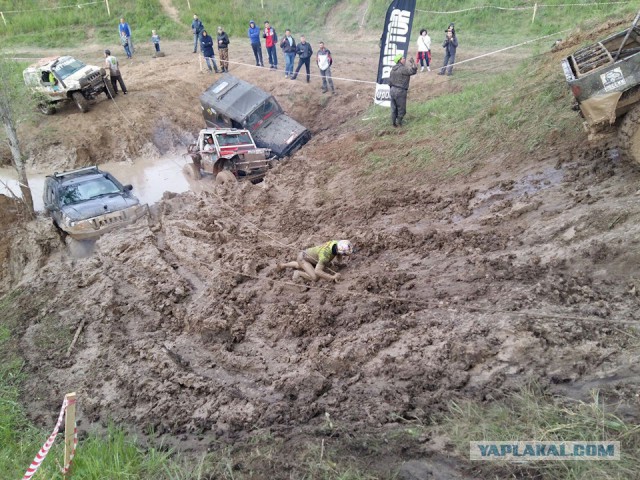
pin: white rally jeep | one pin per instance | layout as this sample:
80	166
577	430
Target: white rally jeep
59	79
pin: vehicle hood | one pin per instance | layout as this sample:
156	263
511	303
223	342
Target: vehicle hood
83	72
99	206
278	133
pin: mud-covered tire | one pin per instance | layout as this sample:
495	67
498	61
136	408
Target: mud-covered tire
191	170
225	177
81	102
108	89
46	108
629	135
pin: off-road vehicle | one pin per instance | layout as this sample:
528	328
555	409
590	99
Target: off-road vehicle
605	80
89	202
229	154
64	78
234	103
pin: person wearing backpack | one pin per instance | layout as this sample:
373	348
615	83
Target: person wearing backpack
324	61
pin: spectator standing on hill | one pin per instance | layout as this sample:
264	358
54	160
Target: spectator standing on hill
125	44
424	50
450	46
206	46
155	39
271	40
123	29
324	61
111	63
399	85
254	38
304	52
197	28
288	45
223	49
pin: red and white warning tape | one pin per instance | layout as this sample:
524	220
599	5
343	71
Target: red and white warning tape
39	458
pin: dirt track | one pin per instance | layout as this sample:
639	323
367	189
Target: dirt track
525	270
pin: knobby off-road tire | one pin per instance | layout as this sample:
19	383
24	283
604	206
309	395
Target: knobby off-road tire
108	89
81	102
46	108
629	135
225	177
191	170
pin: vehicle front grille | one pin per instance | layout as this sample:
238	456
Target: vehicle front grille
94	77
100	222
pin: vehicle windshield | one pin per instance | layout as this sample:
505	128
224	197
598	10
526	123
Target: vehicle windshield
81	192
260	114
230	140
63	70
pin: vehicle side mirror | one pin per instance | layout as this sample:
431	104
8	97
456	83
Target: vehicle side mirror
127	188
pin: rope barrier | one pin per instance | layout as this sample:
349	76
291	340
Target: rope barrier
78	5
539	5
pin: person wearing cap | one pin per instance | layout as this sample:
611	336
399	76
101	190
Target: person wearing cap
450	46
254	37
271	40
223	49
398	87
197	28
312	261
111	63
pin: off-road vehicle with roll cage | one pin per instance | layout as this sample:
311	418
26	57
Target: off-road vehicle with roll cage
65	78
234	103
229	154
605	80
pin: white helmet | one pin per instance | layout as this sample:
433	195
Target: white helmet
344	247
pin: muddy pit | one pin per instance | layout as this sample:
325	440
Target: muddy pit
525	270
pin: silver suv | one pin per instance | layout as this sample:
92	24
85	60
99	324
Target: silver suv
88	202
60	79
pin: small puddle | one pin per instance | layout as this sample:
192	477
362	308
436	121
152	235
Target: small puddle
527	185
150	177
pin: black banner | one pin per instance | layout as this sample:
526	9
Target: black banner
395	39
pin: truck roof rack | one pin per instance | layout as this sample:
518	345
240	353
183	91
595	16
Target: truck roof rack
78	170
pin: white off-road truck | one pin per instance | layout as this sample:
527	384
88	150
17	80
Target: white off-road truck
65	78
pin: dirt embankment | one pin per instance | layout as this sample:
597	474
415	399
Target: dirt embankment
523	271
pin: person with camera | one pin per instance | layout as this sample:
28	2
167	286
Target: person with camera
398	87
450	45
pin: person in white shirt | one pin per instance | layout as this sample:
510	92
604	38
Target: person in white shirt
424	50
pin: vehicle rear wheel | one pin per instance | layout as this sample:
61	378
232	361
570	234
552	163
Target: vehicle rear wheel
225	177
108	88
191	170
46	108
81	102
629	135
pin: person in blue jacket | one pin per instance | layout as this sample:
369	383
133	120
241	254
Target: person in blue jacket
206	45
197	28
254	38
125	31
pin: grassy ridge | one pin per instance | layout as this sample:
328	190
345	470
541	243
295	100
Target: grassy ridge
46	27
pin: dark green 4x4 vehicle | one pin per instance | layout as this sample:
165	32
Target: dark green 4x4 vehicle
605	80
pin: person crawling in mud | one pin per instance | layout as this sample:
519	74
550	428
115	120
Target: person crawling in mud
312	261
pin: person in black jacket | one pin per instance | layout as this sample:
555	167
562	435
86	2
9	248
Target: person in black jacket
206	45
223	49
450	46
304	51
288	46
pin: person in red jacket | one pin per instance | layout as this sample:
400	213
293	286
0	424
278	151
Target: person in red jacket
271	41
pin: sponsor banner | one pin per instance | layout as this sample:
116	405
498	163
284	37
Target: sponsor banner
395	39
535	451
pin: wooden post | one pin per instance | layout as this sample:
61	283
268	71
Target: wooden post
2	15
262	3
108	9
535	9
69	428
189	4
